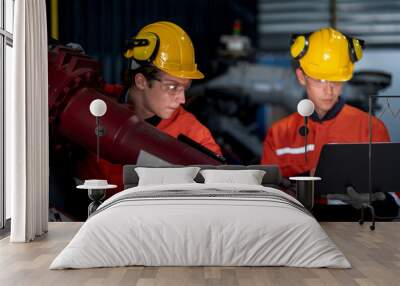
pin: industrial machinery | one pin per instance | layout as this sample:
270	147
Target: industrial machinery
74	82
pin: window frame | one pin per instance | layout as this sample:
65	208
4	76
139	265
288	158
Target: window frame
6	39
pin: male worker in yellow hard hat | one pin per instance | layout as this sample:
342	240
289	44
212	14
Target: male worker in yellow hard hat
163	66
161	70
325	60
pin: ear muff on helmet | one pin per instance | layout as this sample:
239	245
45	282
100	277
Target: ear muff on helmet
143	48
356	47
299	45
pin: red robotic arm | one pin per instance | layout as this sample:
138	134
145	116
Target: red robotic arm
74	81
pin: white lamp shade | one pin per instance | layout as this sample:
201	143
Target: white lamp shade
305	107
98	107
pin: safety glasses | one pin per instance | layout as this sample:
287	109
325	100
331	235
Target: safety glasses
321	83
173	88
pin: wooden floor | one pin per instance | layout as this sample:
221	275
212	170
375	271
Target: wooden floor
374	255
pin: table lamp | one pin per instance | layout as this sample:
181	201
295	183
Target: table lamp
98	108
305	108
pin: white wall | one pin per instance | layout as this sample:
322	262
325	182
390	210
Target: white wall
387	60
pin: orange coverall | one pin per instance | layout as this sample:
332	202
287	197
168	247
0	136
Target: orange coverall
284	146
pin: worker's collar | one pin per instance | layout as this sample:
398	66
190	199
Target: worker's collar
154	120
331	113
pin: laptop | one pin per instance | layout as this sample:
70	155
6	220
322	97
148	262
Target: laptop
343	165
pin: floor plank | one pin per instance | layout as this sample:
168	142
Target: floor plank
374	255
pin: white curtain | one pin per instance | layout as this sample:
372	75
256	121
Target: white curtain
27	167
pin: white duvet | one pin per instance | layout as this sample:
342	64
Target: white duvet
206	230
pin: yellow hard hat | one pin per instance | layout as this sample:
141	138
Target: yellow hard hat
327	54
166	46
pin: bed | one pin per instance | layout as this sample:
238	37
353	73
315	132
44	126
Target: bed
216	216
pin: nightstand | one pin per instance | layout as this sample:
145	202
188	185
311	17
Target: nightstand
305	190
96	191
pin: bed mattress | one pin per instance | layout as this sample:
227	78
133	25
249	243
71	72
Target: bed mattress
201	225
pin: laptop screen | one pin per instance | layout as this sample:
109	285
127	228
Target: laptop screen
342	165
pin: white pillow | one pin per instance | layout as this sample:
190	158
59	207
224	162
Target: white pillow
162	176
248	177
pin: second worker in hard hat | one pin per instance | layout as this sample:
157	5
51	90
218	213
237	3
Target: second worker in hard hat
162	66
325	61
